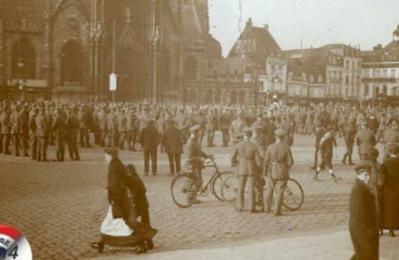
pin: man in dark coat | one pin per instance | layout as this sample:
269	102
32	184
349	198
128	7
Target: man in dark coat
363	226
149	139
173	140
390	192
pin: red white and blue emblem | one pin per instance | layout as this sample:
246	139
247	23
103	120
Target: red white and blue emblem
13	245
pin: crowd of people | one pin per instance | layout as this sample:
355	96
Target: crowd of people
261	137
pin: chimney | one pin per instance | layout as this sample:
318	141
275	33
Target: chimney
249	23
266	27
396	34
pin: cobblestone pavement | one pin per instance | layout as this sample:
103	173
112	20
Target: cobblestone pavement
59	206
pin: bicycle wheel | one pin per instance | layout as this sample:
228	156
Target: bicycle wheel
217	183
183	189
293	195
229	188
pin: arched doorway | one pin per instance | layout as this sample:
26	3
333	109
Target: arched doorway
23	59
131	79
71	63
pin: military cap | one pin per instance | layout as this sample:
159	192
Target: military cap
279	133
363	165
195	128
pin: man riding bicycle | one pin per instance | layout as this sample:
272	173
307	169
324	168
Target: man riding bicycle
195	155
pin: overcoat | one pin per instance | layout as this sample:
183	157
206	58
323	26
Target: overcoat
363	225
390	194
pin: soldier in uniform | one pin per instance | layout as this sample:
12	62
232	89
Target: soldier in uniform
15	129
113	128
5	129
59	127
195	155
23	119
277	163
102	125
236	128
122	126
84	126
210	128
72	127
246	157
390	138
258	140
224	124
32	129
132	129
365	140
349	130
41	134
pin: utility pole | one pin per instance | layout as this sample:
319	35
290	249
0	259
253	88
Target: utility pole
113	55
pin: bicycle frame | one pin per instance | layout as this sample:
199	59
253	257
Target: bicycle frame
215	174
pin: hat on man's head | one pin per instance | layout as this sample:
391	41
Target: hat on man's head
195	128
363	165
280	133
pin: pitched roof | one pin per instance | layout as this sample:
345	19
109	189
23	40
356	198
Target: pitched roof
265	42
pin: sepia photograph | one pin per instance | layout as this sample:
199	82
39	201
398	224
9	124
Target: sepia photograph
199	129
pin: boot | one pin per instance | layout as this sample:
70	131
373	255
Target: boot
315	177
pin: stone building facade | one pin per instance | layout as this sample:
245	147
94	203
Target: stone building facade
380	73
66	49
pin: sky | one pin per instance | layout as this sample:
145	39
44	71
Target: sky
314	22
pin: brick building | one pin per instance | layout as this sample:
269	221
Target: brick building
241	77
64	49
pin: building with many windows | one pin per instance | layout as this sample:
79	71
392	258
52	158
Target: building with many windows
380	73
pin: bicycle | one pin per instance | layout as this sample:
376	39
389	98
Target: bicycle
186	186
293	198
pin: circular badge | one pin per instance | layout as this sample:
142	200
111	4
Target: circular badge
13	244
